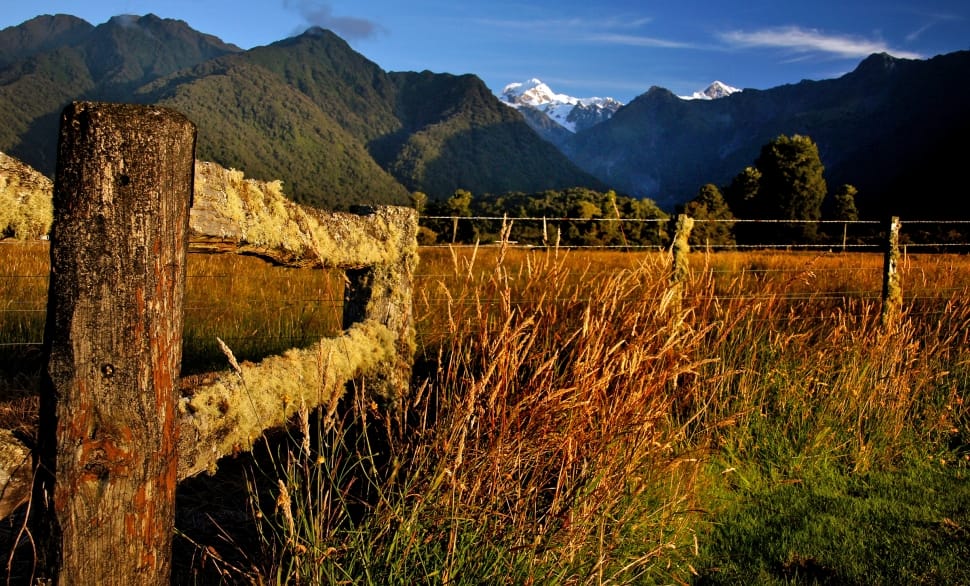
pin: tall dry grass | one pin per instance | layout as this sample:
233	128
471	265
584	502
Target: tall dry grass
805	373
568	423
538	444
258	309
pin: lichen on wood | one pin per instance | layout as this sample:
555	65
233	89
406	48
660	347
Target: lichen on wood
107	439
229	410
222	413
15	472
26	208
680	260
376	246
892	288
232	213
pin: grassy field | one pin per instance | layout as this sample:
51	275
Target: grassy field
573	420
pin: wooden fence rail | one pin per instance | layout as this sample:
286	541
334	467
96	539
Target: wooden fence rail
118	428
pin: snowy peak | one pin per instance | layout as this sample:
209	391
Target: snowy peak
534	93
573	114
714	91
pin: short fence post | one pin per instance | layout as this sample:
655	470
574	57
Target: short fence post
892	290
107	441
385	292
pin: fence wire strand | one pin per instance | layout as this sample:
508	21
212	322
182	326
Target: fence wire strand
331	303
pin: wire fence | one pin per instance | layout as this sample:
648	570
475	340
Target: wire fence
712	234
854	278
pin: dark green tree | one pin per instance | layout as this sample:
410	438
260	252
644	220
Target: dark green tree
792	185
709	204
843	204
742	194
442	219
459	205
419	201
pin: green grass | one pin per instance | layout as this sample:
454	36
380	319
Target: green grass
906	525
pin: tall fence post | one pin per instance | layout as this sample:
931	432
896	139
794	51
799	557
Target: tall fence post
680	249
892	290
107	441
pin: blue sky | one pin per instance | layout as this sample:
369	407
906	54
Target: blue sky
617	48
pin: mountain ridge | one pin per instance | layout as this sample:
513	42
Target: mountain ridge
715	91
308	109
340	130
573	114
878	127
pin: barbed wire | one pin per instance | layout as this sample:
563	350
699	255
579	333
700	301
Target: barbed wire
333	303
671	218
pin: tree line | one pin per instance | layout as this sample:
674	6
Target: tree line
785	183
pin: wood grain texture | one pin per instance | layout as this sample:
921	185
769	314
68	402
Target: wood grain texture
109	427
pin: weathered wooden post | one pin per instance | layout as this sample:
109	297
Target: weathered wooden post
385	292
680	268
107	441
892	290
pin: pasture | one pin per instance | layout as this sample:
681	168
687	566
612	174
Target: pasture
572	421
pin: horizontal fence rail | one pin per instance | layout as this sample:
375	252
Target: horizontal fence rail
9	306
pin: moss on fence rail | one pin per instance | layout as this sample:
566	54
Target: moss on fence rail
222	413
26	208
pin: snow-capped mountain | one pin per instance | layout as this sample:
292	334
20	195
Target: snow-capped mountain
573	114
714	91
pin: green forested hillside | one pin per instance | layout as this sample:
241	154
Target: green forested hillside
457	135
335	127
50	61
355	92
248	120
32	94
39	34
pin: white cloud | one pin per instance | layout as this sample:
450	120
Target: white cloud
607	31
932	20
636	41
566	24
802	40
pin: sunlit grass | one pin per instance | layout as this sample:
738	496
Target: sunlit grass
568	422
256	308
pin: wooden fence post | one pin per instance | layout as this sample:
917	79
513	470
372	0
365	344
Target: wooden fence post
892	290
385	292
680	249
108	459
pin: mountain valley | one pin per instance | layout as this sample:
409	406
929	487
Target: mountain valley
340	131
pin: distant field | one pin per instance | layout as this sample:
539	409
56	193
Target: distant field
572	421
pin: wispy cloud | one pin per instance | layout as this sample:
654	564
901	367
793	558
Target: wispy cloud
636	41
319	13
570	25
933	19
801	40
610	31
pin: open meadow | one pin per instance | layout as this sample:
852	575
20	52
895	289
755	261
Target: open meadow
575	418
